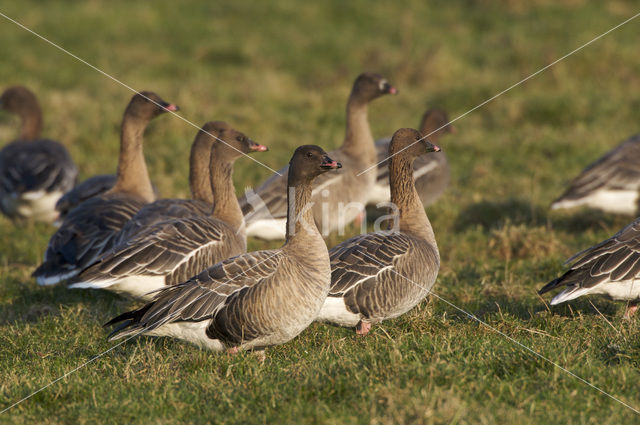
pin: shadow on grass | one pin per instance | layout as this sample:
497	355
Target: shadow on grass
494	214
526	310
33	302
577	221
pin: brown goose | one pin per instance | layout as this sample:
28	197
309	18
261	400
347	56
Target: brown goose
610	268
89	229
431	173
158	252
34	172
256	299
611	184
265	209
384	274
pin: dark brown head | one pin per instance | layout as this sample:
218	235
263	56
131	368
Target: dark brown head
228	144
19	100
147	105
369	86
409	143
307	163
433	120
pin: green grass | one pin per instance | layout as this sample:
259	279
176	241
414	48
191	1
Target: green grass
281	72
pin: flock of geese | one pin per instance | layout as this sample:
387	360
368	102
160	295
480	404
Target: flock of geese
187	260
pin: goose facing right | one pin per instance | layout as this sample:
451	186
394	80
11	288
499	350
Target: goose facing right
155	253
336	196
34	172
384	274
431	173
610	184
89	230
256	299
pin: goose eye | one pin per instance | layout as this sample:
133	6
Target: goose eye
240	139
309	155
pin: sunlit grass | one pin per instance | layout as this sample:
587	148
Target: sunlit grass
281	73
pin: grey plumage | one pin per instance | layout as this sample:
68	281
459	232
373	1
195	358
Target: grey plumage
611	183
89	230
170	240
34	172
384	274
265	208
93	186
253	300
608	268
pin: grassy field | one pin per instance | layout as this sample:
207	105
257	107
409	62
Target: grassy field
281	73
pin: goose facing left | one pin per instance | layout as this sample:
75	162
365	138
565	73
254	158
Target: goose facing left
384	274
89	229
257	299
610	269
193	235
34	172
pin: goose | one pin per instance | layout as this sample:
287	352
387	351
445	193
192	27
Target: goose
89	229
200	182
431	173
384	274
93	186
338	198
34	172
609	268
610	184
173	241
253	300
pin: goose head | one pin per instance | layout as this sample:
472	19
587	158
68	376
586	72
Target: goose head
19	100
147	105
229	144
308	162
369	86
409	143
436	120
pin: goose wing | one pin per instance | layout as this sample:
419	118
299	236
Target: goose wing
361	258
87	232
161	250
89	188
203	296
619	169
612	260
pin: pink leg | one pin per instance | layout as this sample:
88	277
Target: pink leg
359	218
363	328
232	350
631	309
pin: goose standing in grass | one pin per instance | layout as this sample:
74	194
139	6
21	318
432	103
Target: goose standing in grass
610	184
34	172
257	299
89	229
168	242
265	209
431	173
610	268
384	274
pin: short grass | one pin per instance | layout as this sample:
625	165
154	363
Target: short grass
281	71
